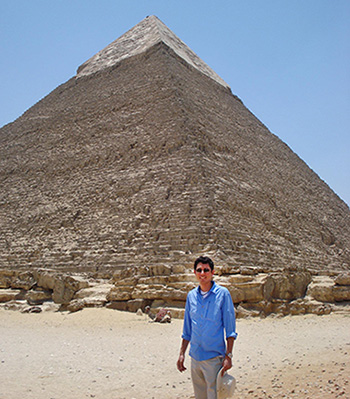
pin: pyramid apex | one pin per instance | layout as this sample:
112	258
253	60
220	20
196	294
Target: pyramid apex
147	33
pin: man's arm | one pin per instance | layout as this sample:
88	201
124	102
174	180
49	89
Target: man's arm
180	362
227	363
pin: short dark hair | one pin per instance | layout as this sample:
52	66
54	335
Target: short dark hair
205	260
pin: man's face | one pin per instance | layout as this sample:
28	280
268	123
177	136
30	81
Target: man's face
203	273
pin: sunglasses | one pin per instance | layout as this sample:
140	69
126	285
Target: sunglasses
199	270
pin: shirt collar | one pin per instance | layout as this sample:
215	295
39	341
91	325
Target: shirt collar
212	289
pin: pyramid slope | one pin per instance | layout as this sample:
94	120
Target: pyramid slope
109	171
137	40
153	162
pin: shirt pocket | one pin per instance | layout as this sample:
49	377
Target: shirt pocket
213	312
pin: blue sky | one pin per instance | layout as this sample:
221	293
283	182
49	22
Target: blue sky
288	61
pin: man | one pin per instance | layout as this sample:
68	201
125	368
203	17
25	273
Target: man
209	314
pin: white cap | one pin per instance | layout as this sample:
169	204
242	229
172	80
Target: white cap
225	385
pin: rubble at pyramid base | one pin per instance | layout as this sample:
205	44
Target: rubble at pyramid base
255	294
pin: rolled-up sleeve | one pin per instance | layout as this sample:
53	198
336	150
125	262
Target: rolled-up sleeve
229	316
187	326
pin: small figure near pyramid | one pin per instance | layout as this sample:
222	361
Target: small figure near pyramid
209	328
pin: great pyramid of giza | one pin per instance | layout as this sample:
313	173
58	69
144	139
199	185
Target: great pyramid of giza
145	157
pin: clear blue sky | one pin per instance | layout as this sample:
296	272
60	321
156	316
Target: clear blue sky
288	60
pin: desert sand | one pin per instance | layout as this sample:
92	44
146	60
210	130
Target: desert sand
105	354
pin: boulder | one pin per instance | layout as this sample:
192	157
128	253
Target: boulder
315	307
178	269
38	297
130	306
321	289
16	305
249	270
341	293
24	281
343	279
152	291
122	293
290	285
248	288
226	270
7	295
98	292
243	313
7	277
46	278
65	288
88	302
94	296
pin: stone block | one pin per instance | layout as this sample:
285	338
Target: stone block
66	286
343	279
321	289
290	285
248	289
185	278
130	306
178	269
45	278
7	295
7	277
34	297
24	281
341	293
99	292
153	280
120	293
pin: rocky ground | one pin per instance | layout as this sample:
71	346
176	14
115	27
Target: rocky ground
105	353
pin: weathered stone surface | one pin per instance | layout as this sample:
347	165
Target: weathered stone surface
341	293
130	306
14	304
35	297
6	278
94	296
252	288
98	291
226	270
137	40
343	279
178	268
46	278
182	278
249	271
243	313
321	289
156	172
7	295
88	302
290	285
24	280
66	287
154	280
120	293
315	307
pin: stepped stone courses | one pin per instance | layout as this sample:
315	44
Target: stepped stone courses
145	160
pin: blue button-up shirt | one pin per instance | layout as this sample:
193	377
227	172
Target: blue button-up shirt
206	320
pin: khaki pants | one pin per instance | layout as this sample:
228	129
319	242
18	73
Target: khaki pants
203	375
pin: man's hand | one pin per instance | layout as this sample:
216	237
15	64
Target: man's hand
180	363
226	365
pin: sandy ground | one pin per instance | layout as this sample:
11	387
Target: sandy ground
105	354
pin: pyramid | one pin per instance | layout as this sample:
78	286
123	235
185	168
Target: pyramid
145	157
